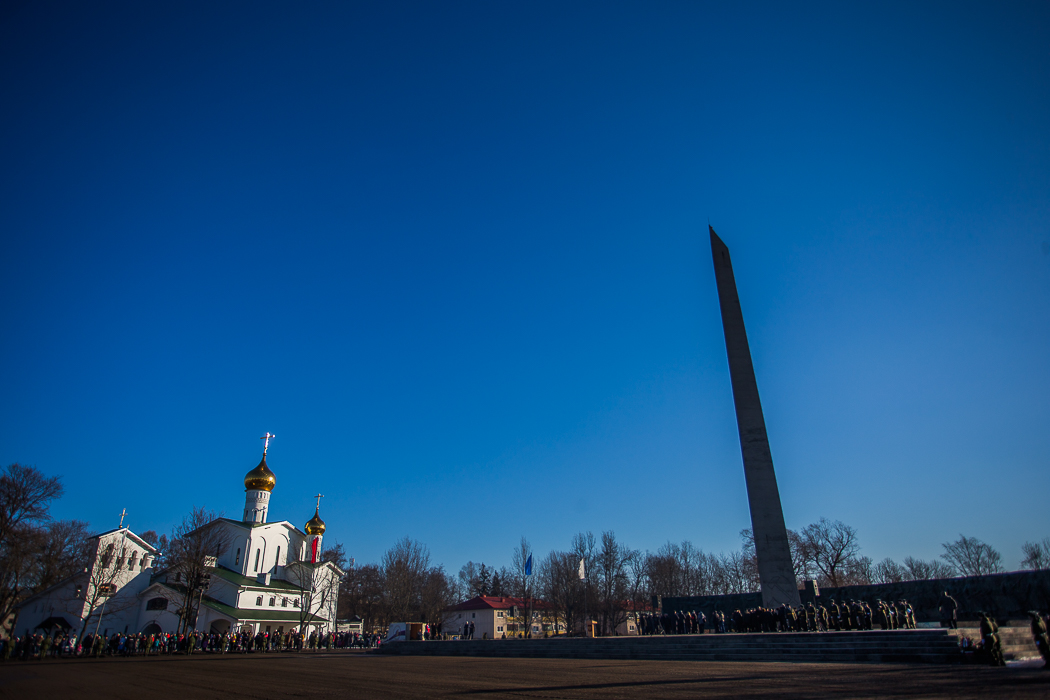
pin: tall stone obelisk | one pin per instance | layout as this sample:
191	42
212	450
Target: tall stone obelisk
775	572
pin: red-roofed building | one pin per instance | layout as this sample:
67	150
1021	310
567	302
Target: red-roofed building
498	617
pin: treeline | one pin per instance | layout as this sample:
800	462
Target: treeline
618	579
37	552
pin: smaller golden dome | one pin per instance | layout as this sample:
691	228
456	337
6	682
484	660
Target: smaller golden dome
260	478
316	525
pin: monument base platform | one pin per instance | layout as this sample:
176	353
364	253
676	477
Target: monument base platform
939	646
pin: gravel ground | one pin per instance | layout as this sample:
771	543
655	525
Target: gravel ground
343	675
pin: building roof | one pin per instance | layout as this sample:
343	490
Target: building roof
492	602
138	540
250	526
250	582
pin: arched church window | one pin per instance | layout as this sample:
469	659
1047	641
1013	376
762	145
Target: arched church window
134	559
277	559
284	602
157	604
237	561
108	556
258	553
273	601
258	600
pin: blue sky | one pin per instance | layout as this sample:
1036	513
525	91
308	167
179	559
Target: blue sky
455	256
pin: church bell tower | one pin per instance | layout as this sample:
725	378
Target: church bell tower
258	483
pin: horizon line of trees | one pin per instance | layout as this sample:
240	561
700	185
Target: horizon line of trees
620	579
37	552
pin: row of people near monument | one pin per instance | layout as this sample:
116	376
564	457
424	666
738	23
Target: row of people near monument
41	646
854	615
680	622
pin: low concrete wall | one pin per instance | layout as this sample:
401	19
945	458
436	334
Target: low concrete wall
1006	596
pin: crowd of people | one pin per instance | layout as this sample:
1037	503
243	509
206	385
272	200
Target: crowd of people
852	615
42	646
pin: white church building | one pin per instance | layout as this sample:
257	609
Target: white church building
270	579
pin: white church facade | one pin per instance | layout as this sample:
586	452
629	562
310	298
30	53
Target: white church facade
270	578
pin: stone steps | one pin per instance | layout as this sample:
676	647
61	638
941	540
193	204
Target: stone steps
1017	642
907	646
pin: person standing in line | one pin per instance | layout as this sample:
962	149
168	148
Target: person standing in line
949	610
1039	634
990	640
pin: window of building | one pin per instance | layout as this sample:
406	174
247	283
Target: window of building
472	614
277	559
108	556
258	553
133	561
258	600
499	613
237	561
535	628
284	602
297	602
142	563
273	601
500	628
157	604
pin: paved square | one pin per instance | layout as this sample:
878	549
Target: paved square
345	675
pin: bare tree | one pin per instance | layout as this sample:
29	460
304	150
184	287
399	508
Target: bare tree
405	566
25	497
193	549
361	594
97	588
664	571
611	570
971	557
738	573
474	580
318	591
436	595
833	547
1036	555
888	571
919	570
560	587
519	560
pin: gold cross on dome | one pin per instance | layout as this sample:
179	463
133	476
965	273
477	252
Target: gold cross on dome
319	497
266	445
123	514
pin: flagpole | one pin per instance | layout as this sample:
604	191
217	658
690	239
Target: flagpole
528	598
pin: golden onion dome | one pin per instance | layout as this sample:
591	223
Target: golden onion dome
260	478
315	526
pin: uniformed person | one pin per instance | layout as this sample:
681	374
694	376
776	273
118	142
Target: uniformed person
1040	637
990	640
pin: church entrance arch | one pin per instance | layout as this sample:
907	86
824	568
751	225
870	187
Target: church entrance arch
152	628
220	626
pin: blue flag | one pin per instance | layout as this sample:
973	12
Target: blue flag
528	566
